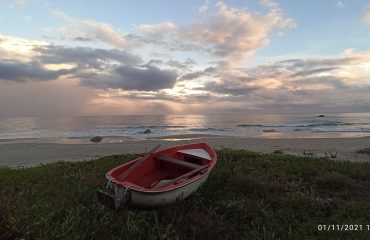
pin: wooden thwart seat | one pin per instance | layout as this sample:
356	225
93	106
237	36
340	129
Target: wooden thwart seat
165	183
168	159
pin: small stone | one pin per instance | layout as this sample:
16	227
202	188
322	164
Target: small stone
147	131
96	139
269	130
278	151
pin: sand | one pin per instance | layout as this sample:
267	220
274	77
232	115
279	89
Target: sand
31	152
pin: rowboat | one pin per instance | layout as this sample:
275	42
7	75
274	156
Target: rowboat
160	177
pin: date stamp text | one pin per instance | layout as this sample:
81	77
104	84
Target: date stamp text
343	227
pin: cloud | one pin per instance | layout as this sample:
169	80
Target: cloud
20	2
183	65
102	68
27	72
237	34
311	82
320	83
366	17
90	30
86	57
161	30
147	78
19	49
313	71
340	4
229	33
193	75
98	68
149	96
226	35
233	88
330	84
204	7
28	18
291	69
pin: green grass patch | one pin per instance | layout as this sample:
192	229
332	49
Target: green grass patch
247	196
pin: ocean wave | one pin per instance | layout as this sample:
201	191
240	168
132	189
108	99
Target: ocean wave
250	125
326	124
359	130
309	125
208	129
261	125
155	126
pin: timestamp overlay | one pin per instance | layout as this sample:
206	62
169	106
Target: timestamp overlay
343	227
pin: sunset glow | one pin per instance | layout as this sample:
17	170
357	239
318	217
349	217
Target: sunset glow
193	57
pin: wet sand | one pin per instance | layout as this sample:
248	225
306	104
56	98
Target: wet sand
31	152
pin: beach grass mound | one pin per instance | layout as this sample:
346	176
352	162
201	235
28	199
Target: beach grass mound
247	196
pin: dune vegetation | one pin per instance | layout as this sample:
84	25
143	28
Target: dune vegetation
248	196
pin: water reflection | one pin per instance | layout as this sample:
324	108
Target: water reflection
188	121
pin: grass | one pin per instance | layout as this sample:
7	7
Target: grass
247	196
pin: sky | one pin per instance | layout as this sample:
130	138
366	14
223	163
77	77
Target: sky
68	58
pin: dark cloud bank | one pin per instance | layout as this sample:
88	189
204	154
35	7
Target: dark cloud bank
97	68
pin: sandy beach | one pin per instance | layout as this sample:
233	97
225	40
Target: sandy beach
31	152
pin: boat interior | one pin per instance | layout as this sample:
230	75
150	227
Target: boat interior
161	170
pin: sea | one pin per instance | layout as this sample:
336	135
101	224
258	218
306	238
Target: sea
332	125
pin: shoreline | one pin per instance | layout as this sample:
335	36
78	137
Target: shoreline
31	152
186	136
107	139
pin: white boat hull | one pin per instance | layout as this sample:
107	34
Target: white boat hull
153	199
